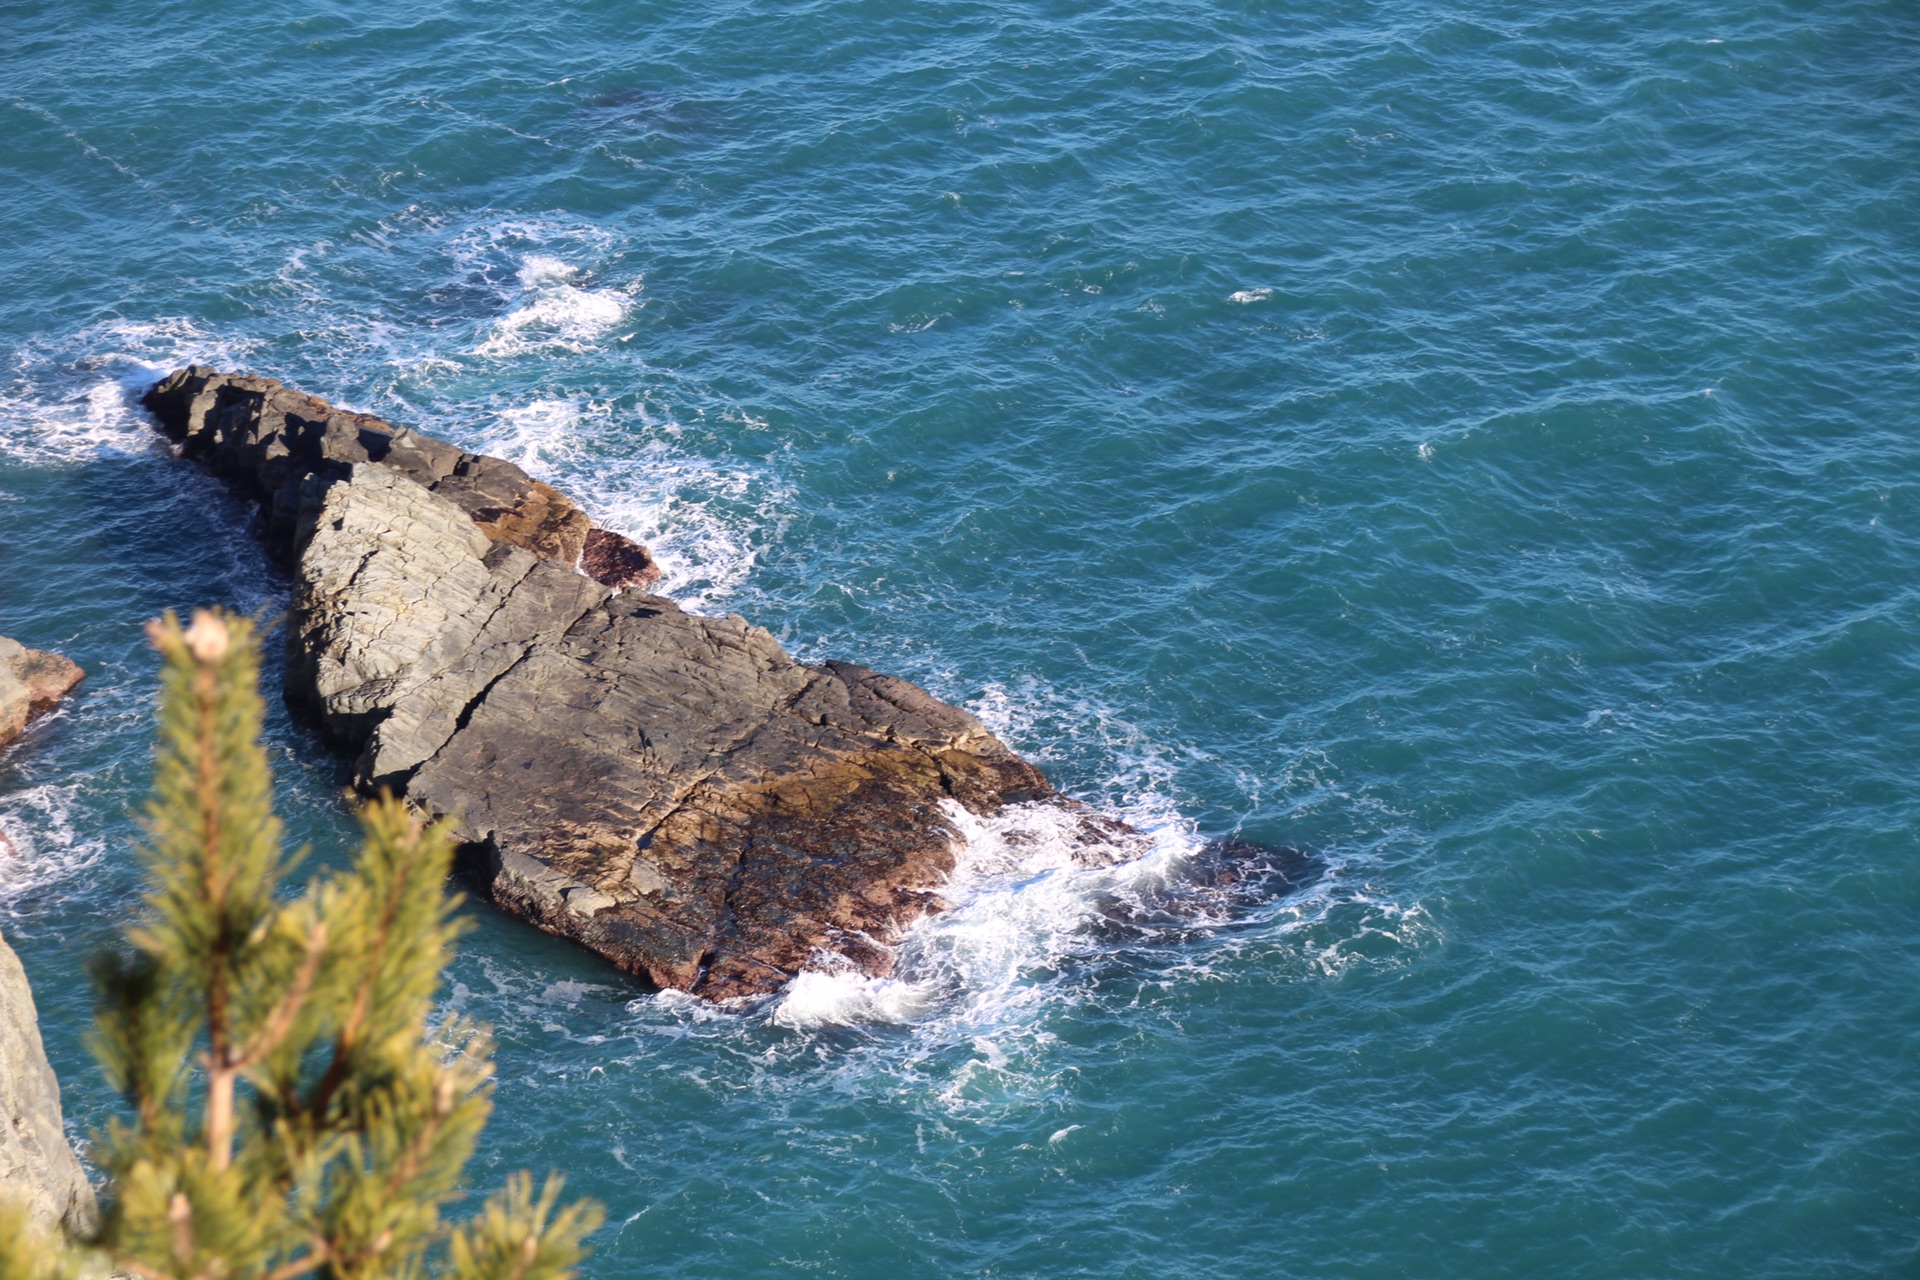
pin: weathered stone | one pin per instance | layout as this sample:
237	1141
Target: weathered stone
673	791
37	1166
31	681
617	562
271	441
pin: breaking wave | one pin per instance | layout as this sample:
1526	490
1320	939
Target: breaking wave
704	519
555	312
72	400
39	845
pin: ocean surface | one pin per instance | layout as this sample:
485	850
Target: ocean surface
1476	447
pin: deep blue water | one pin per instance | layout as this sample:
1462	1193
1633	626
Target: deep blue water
1473	446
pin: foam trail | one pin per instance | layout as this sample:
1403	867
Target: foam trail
555	313
702	520
78	399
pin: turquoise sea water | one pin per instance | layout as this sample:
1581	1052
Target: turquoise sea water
1474	446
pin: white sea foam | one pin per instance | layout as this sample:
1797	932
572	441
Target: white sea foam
703	520
1020	902
920	323
1138	771
39	825
554	313
555	307
77	399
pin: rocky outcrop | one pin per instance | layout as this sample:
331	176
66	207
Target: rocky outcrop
37	1166
673	791
31	681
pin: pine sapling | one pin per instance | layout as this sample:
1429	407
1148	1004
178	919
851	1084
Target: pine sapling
293	1108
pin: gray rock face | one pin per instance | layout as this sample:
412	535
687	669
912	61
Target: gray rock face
673	791
31	681
37	1167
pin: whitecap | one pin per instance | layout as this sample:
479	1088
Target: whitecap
38	822
554	312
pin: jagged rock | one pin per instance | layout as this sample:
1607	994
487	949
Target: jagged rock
675	792
37	1166
31	681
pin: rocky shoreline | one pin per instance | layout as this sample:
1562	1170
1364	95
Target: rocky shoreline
37	1166
672	791
38	1169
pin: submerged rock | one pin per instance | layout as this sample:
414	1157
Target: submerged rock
673	791
31	681
37	1166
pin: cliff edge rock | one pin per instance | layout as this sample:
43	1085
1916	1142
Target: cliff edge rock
673	791
37	1166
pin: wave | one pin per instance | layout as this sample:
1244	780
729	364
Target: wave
75	399
554	312
544	272
1022	900
704	520
46	849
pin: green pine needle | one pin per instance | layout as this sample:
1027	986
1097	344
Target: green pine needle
291	1109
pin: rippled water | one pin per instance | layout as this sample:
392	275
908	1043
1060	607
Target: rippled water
1474	448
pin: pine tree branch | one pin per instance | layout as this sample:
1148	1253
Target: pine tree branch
348	1177
349	1037
318	1256
214	884
280	1022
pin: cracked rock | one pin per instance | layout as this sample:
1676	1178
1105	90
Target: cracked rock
672	791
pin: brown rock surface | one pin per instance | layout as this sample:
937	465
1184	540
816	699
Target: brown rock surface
616	561
673	791
271	442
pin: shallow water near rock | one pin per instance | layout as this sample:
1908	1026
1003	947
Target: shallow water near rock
1473	448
